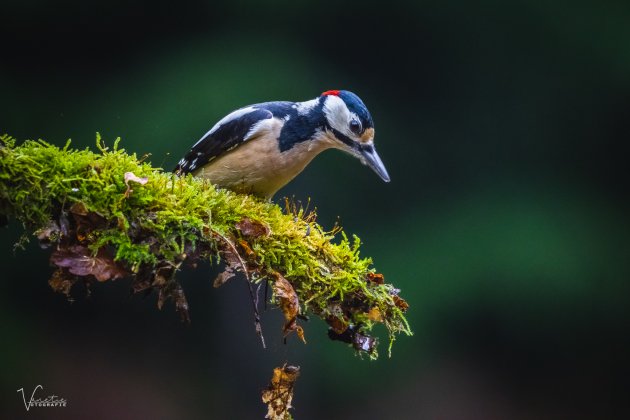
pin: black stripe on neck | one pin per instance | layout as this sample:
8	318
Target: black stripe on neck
344	139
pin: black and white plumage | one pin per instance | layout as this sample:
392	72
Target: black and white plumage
260	148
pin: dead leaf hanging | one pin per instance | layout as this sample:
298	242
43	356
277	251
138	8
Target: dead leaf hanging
279	394
289	304
80	261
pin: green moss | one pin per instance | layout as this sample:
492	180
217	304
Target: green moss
170	220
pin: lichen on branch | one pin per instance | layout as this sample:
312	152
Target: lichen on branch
108	215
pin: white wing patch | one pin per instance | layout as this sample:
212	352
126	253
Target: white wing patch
258	128
303	108
229	117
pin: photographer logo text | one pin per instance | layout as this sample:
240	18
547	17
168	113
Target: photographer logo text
49	401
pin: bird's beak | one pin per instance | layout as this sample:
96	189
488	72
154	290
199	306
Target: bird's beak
370	158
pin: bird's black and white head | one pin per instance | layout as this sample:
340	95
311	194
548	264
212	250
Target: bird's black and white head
349	126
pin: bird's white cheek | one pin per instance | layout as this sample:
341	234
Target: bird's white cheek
337	114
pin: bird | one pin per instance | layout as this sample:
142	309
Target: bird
258	149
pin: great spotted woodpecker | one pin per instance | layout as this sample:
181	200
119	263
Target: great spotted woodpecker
260	148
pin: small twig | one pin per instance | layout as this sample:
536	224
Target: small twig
249	284
266	292
258	293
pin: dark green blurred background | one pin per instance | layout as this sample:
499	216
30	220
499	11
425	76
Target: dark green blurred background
503	126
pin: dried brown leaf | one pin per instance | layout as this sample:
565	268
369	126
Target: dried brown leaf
233	263
401	303
169	288
62	281
85	222
376	278
143	280
80	261
247	250
163	275
224	277
79	208
279	394
252	228
337	324
230	254
300	333
175	291
374	314
289	304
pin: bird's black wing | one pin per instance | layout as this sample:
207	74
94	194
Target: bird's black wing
228	133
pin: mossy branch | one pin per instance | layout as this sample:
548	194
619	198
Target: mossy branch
109	215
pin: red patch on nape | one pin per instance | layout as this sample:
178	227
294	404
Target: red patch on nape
331	92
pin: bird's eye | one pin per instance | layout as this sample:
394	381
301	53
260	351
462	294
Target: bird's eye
355	126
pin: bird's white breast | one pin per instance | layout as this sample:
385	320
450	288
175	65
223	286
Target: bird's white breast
258	166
